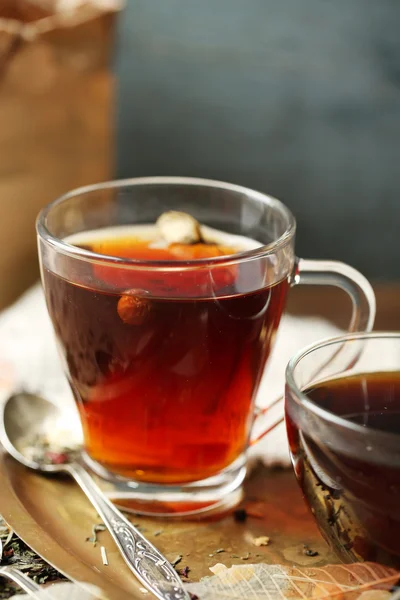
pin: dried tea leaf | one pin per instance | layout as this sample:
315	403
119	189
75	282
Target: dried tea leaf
176	560
263	582
17	554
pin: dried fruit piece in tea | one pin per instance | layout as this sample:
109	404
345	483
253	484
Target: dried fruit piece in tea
179	228
133	307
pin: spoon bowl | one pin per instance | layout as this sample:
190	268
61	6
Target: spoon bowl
29	422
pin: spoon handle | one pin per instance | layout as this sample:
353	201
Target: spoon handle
26	584
144	560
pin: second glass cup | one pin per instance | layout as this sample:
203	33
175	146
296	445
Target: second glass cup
343	425
164	354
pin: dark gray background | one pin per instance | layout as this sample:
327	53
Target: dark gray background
298	98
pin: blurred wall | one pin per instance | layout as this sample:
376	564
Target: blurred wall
298	98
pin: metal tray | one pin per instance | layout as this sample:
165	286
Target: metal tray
54	518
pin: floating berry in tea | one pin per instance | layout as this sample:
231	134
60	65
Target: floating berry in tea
133	307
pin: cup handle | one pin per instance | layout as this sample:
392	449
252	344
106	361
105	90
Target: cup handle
338	274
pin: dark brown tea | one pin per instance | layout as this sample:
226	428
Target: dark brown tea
164	383
354	496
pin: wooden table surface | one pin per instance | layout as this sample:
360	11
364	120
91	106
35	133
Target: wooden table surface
285	520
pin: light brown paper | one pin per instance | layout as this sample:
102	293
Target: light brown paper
56	99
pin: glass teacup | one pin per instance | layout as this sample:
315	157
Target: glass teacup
343	424
164	354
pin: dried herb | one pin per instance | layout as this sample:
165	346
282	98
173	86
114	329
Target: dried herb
7	589
104	556
240	515
157	533
219	551
95	530
40	450
334	516
308	552
184	572
17	554
176	560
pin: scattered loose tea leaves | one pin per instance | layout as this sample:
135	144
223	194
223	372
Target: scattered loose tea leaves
334	516
240	515
8	539
245	557
104	556
39	449
95	530
176	560
20	556
57	458
184	572
157	533
7	590
309	552
219	551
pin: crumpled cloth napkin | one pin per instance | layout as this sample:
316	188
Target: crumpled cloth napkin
29	359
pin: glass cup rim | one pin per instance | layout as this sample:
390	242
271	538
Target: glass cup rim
304	401
59	245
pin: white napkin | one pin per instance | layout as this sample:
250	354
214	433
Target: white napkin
66	591
29	359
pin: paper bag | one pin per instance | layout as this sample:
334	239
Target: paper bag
56	101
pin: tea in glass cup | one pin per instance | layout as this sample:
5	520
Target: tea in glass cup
343	424
165	295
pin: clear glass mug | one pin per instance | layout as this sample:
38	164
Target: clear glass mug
345	448
167	399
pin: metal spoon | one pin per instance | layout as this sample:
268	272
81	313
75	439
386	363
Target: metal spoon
26	584
25	418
